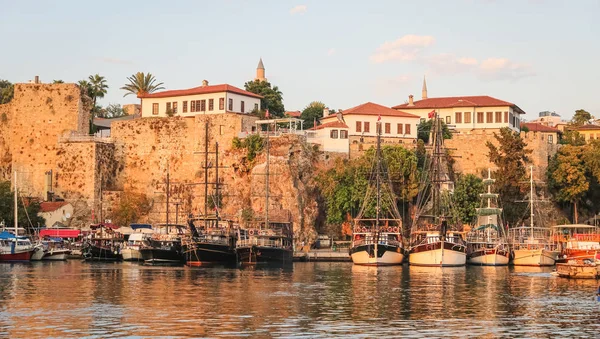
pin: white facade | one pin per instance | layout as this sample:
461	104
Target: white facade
333	139
231	102
408	129
468	118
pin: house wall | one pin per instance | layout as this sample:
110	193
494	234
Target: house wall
57	215
590	134
323	137
162	104
444	113
351	120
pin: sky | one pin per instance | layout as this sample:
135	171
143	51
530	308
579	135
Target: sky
538	54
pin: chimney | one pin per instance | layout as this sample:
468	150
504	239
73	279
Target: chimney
204	83
325	112
37	79
411	100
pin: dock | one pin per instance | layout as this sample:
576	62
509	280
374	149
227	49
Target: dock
322	255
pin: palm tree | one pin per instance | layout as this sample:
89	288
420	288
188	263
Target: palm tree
141	83
85	88
98	87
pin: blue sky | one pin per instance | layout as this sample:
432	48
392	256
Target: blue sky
540	55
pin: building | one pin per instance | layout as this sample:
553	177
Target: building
541	131
548	118
56	213
205	99
589	131
467	113
102	125
354	129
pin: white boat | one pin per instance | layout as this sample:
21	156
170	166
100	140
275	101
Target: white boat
486	242
38	252
14	247
131	250
532	245
436	238
377	239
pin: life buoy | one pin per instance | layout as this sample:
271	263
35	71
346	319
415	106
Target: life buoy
396	229
251	232
364	230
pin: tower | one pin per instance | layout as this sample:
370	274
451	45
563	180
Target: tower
260	71
424	90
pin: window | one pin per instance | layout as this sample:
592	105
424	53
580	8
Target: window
467	117
506	117
203	105
221	104
407	129
343	134
155	109
230	104
184	109
489	117
242	107
480	117
211	104
458	117
221	129
169	107
198	106
256	107
366	127
358	126
388	128
448	119
498	117
174	107
333	134
399	129
511	119
192	106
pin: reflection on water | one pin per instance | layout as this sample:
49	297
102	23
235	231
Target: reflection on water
98	300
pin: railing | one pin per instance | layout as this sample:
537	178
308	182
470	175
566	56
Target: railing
272	134
83	138
261	242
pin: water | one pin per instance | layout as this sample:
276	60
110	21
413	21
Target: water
310	300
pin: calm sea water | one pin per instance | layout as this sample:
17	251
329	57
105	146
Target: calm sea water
310	300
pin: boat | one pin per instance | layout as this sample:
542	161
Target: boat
212	241
377	239
131	249
164	246
486	242
55	249
436	233
532	245
578	269
14	247
103	244
577	242
266	240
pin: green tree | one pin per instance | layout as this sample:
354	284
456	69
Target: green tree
510	157
25	214
572	137
113	111
130	208
466	196
140	83
98	87
312	112
581	117
567	176
252	143
58	82
7	91
272	96
424	129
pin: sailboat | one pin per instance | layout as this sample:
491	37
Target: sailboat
266	241
378	242
532	245
12	246
435	236
487	243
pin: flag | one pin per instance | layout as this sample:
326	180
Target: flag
267	113
431	114
379	117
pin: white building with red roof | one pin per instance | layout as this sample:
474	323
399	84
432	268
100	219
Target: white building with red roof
205	99
354	129
467	113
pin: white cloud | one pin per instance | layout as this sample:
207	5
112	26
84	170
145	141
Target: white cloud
447	63
300	9
406	48
116	61
504	69
331	52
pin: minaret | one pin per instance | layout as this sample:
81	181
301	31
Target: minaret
424	90
260	71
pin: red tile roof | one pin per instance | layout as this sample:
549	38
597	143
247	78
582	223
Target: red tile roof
535	127
293	114
51	206
333	124
201	90
463	101
370	108
587	127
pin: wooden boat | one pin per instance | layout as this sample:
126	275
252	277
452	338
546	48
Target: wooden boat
486	242
578	269
436	237
377	239
164	246
212	241
577	241
14	247
103	244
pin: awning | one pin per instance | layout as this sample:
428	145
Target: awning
138	226
60	233
105	225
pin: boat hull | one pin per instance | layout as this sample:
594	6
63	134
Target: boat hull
14	257
98	253
386	255
38	253
534	257
578	271
56	255
252	255
131	254
440	254
161	256
201	254
489	257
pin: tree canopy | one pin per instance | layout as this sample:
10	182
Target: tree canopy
97	87
312	112
466	196
7	209
7	90
581	117
272	96
567	176
424	129
140	83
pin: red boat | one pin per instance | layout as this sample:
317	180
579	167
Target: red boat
13	248
577	242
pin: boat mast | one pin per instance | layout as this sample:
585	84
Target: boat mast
267	180
436	168
489	205
16	211
531	201
377	175
168	194
217	182
206	175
